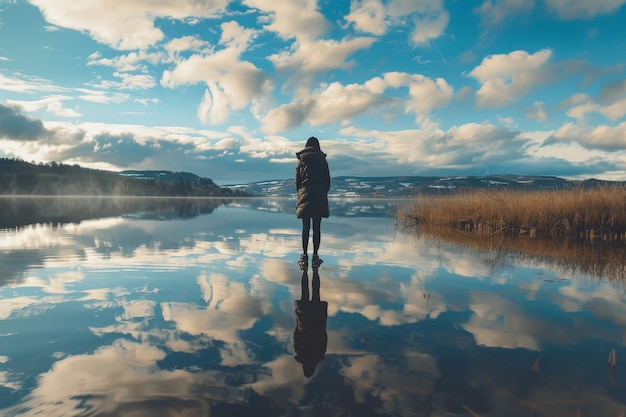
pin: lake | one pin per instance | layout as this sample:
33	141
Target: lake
145	307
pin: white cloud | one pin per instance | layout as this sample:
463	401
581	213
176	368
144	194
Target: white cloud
128	82
187	43
307	58
368	16
51	104
267	146
429	25
26	84
582	105
227	143
496	11
231	83
75	143
507	77
146	101
428	18
576	9
133	61
287	116
459	147
298	19
538	112
122	24
114	146
507	121
425	94
101	97
339	103
334	104
236	36
214	106
611	138
614	111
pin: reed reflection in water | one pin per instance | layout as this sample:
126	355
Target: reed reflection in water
567	258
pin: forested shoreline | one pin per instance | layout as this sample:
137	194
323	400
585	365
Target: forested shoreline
18	177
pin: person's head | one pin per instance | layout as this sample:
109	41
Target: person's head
313	143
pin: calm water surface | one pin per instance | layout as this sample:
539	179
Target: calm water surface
126	309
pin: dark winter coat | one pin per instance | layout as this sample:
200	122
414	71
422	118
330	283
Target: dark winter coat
312	183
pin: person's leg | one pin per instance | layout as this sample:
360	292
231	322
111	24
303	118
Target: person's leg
315	286
306	225
317	234
304	286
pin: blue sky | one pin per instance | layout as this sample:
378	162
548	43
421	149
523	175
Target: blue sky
230	90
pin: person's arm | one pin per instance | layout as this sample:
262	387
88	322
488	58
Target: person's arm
327	175
297	178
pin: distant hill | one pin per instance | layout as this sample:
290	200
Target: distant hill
403	186
167	176
18	177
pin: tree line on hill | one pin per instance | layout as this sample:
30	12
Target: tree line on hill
18	177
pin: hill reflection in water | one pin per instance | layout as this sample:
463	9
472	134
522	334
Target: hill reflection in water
23	211
150	315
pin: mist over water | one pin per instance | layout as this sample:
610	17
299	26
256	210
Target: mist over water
157	307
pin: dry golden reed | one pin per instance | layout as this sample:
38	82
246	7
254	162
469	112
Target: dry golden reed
597	214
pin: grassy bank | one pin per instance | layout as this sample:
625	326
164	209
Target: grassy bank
590	215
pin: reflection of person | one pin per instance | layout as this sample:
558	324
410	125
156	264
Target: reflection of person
309	336
312	182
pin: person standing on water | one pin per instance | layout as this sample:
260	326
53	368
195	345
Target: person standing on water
312	182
